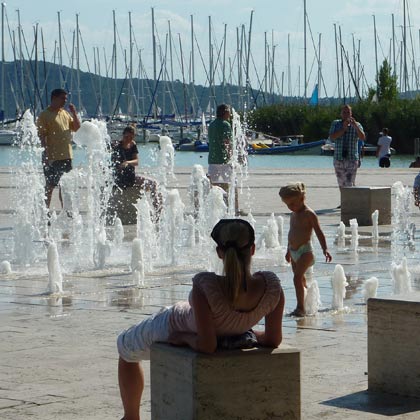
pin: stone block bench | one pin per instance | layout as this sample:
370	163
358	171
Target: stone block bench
394	345
258	383
121	204
360	202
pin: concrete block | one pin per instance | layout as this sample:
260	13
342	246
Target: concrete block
259	383
394	345
121	204
360	202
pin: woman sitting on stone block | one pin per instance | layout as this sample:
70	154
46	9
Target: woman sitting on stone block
218	306
125	157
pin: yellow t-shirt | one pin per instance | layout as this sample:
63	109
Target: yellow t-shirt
56	127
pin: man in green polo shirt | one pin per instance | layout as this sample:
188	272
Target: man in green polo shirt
220	151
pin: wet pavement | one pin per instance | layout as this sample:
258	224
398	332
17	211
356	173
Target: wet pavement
58	353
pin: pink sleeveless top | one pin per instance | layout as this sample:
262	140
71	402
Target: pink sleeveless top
227	321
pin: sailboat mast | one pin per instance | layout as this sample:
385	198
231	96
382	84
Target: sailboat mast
248	82
405	77
60	52
192	51
36	69
3	5
224	64
394	62
131	91
265	62
79	99
336	62
170	51
376	52
114	62
195	104
154	60
304	49
21	59
211	98
319	69
239	63
289	82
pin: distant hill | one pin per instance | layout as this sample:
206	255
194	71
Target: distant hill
28	85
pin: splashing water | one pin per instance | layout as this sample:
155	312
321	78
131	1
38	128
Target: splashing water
375	230
338	283
166	159
171	228
341	235
401	277
215	208
400	221
370	288
5	267
118	236
280	224
55	277
198	192
272	233
239	160
137	262
146	231
30	219
354	234
312	299
102	250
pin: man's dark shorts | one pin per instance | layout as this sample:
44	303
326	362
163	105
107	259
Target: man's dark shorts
55	170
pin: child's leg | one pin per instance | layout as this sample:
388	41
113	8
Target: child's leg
299	280
131	382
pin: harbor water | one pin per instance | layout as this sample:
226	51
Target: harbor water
148	157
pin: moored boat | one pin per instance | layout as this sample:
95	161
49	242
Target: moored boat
368	149
312	147
7	137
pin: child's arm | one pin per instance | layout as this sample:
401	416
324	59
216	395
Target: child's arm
321	237
287	256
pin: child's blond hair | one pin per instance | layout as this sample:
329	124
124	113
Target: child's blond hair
292	190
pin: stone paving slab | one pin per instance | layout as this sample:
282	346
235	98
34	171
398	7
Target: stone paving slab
58	354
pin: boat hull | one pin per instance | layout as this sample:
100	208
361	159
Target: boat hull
7	137
313	147
368	150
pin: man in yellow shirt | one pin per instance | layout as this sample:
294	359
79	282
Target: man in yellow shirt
55	127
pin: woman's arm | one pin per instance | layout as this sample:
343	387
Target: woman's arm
133	162
205	340
272	334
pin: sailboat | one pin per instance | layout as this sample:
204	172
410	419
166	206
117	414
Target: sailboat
7	137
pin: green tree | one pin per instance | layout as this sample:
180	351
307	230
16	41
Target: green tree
386	84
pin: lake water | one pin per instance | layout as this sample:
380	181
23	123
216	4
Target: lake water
148	157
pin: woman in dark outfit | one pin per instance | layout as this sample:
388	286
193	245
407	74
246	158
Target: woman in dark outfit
125	159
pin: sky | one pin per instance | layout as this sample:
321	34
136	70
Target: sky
275	23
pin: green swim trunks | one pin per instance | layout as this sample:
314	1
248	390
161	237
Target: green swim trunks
303	249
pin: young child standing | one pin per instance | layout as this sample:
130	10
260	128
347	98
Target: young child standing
299	249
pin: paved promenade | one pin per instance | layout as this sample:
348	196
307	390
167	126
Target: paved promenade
58	354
